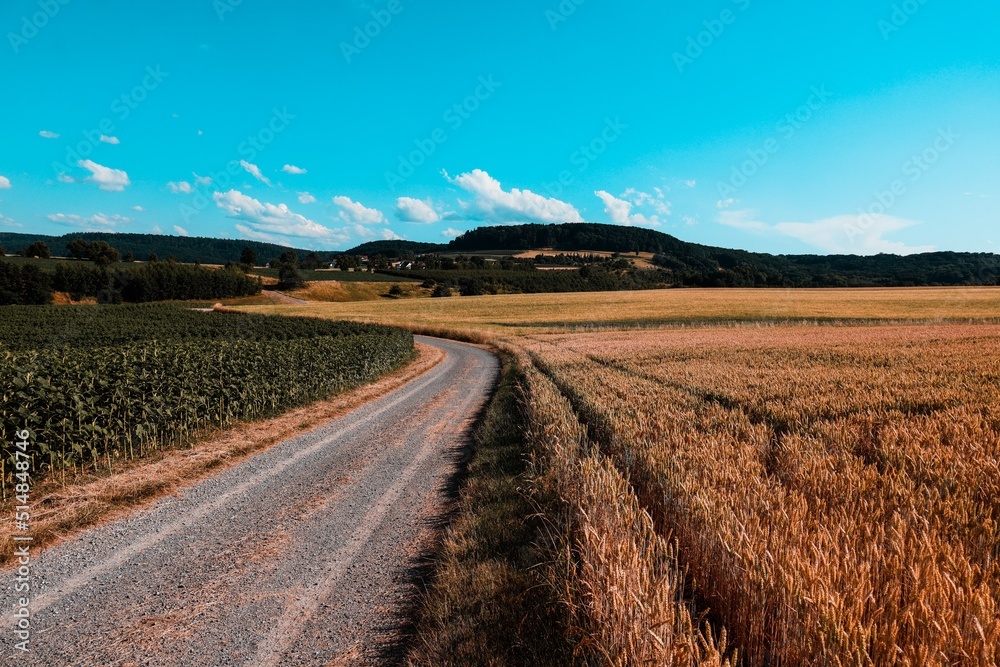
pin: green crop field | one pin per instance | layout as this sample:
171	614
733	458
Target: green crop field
100	385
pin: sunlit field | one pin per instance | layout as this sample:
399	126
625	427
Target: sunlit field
831	495
506	315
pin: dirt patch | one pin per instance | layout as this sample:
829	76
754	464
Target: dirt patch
61	511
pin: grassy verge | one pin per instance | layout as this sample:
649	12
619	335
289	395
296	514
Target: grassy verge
489	603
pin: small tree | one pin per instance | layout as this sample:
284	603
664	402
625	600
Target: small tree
3	251
37	249
441	291
78	249
153	258
289	276
129	257
248	258
396	291
103	254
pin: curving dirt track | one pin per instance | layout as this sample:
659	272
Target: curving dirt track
305	554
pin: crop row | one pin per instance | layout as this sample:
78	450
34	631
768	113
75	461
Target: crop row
832	492
97	406
46	327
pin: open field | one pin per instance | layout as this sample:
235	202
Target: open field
349	292
831	492
519	314
341	276
642	260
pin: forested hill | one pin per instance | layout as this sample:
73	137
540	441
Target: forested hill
183	248
396	249
698	265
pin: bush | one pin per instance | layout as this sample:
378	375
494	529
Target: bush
441	291
37	249
396	291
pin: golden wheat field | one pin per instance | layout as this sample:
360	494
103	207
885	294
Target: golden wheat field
826	495
517	314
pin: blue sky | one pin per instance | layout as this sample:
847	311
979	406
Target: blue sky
858	126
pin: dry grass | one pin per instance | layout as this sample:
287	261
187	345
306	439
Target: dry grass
335	291
522	314
832	491
63	509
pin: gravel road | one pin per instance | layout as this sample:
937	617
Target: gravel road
306	554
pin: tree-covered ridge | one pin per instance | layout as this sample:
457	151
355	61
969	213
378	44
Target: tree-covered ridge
697	265
396	249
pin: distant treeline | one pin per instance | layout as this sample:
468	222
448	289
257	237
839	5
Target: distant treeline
28	285
155	281
691	264
604	277
141	246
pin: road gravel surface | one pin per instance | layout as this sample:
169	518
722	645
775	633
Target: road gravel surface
306	554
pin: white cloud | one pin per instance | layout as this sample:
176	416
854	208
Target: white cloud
389	235
110	140
493	204
202	180
415	210
111	180
354	212
98	222
620	212
268	219
65	178
657	202
306	198
8	222
138	208
254	171
45	134
842	235
156	229
182	188
690	184
180	231
4	183
725	203
451	233
292	169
